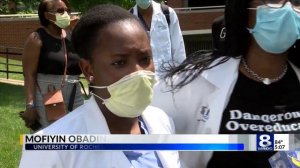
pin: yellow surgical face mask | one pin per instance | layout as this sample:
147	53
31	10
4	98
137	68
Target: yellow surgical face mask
129	96
62	20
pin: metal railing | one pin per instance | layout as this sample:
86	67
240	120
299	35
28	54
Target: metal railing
193	46
10	53
19	16
200	8
27	15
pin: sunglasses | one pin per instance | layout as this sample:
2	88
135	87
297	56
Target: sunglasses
281	3
60	11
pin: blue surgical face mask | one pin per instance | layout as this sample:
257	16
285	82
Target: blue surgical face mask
276	29
144	4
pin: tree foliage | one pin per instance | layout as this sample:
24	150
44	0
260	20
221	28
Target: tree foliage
18	6
30	6
82	6
4	7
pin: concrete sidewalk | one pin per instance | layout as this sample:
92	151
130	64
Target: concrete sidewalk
12	81
21	83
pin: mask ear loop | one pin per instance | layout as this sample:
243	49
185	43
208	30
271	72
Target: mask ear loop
98	87
103	100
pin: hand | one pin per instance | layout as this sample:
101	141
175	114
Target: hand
31	118
73	22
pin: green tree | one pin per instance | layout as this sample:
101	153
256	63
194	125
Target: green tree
21	6
30	6
3	7
82	6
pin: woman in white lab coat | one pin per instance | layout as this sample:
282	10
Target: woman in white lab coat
254	89
116	59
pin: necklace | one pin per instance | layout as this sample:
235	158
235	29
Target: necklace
266	81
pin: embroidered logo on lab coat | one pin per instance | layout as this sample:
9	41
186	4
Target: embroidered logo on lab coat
204	114
162	26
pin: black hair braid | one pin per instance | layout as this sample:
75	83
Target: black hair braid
192	67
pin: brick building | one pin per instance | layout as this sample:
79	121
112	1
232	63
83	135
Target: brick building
195	24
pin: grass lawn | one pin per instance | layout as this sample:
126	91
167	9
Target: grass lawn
12	101
11	126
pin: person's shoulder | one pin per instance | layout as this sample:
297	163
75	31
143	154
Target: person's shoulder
158	120
34	39
171	10
225	61
296	69
157	7
157	113
154	111
155	3
73	122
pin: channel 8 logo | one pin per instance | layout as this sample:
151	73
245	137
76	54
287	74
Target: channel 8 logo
264	142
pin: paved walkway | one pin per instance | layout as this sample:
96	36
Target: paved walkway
12	81
21	83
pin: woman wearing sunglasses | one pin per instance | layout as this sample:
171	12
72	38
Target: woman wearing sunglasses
49	62
253	89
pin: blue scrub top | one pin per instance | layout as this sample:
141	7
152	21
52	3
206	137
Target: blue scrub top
143	159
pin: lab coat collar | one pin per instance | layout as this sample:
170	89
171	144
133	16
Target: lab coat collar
223	77
156	8
95	122
223	71
296	69
151	123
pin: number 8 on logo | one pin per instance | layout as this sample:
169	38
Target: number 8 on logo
264	140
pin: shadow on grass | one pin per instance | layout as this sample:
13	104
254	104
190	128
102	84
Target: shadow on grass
12	100
11	95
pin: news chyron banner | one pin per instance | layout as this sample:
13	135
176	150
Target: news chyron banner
178	142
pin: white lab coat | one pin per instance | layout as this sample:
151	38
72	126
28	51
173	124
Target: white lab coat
88	119
197	108
166	42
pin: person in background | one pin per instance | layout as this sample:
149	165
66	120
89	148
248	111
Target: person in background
253	89
162	24
44	63
218	31
121	74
